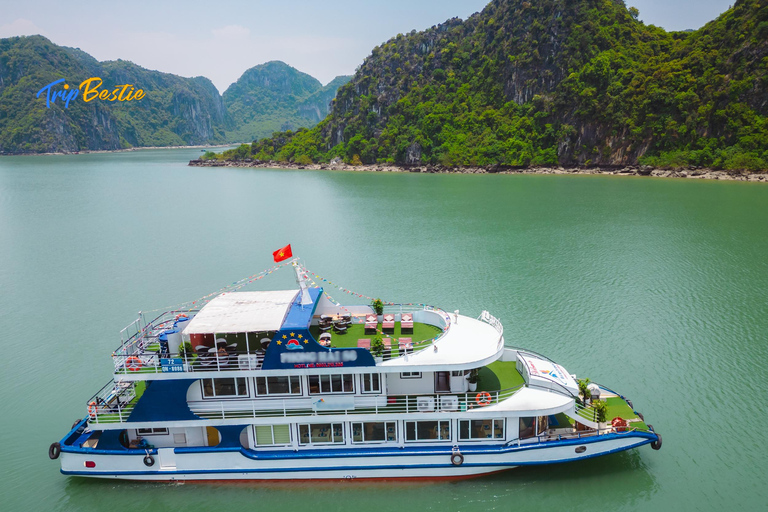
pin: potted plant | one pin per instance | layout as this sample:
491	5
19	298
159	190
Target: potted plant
584	391
472	378
378	306
377	348
601	411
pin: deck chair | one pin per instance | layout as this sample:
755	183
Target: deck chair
371	324
389	323
406	322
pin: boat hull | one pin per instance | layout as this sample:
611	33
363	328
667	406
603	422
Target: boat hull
186	464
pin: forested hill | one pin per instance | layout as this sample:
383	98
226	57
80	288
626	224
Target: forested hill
273	97
175	111
553	81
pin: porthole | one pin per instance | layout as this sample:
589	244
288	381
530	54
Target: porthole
581	449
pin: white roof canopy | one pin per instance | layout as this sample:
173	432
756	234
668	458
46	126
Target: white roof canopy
242	312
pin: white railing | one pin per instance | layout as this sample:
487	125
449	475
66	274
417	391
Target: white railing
309	406
494	322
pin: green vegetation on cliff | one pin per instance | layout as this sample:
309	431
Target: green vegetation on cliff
176	111
274	96
553	82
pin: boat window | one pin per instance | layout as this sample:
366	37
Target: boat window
410	375
374	432
481	429
152	431
459	373
285	385
427	430
526	427
272	435
218	388
321	433
331	384
371	383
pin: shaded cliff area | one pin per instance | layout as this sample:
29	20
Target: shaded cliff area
552	82
176	111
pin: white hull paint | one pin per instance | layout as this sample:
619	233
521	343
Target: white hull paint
234	465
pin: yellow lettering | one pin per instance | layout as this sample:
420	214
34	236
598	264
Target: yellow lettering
103	94
90	93
120	98
139	94
113	96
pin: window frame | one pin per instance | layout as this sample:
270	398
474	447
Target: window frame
439	439
494	423
362	432
367	378
272	432
153	432
332	436
237	396
329	378
266	385
410	375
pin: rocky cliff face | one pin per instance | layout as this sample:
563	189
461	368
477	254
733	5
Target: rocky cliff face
557	81
274	96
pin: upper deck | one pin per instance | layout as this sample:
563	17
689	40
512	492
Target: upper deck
277	333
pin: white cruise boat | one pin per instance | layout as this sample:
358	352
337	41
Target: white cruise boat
290	385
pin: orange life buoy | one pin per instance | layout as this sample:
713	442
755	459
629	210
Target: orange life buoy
483	398
92	409
133	363
182	315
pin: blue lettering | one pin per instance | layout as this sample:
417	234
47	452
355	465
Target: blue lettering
72	95
48	98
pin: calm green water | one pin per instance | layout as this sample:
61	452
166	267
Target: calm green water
658	288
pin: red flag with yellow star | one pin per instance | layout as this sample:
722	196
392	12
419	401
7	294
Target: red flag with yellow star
282	254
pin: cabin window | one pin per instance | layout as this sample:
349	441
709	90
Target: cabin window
331	384
410	375
374	432
416	431
527	427
459	373
321	433
152	431
481	429
371	383
285	385
224	388
272	435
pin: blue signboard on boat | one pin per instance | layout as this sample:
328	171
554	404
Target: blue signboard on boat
172	365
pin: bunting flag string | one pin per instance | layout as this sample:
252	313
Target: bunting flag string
198	303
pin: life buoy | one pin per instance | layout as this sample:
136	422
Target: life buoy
483	398
182	315
133	363
457	459
149	461
92	408
54	451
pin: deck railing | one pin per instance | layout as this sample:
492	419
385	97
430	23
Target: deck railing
313	406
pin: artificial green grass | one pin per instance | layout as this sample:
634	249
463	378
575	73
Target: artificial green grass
349	339
499	375
619	408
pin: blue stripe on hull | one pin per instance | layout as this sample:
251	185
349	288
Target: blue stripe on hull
492	466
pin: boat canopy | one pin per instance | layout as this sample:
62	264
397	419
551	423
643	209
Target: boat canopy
243	312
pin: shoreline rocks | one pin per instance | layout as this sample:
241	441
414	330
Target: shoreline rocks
615	170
